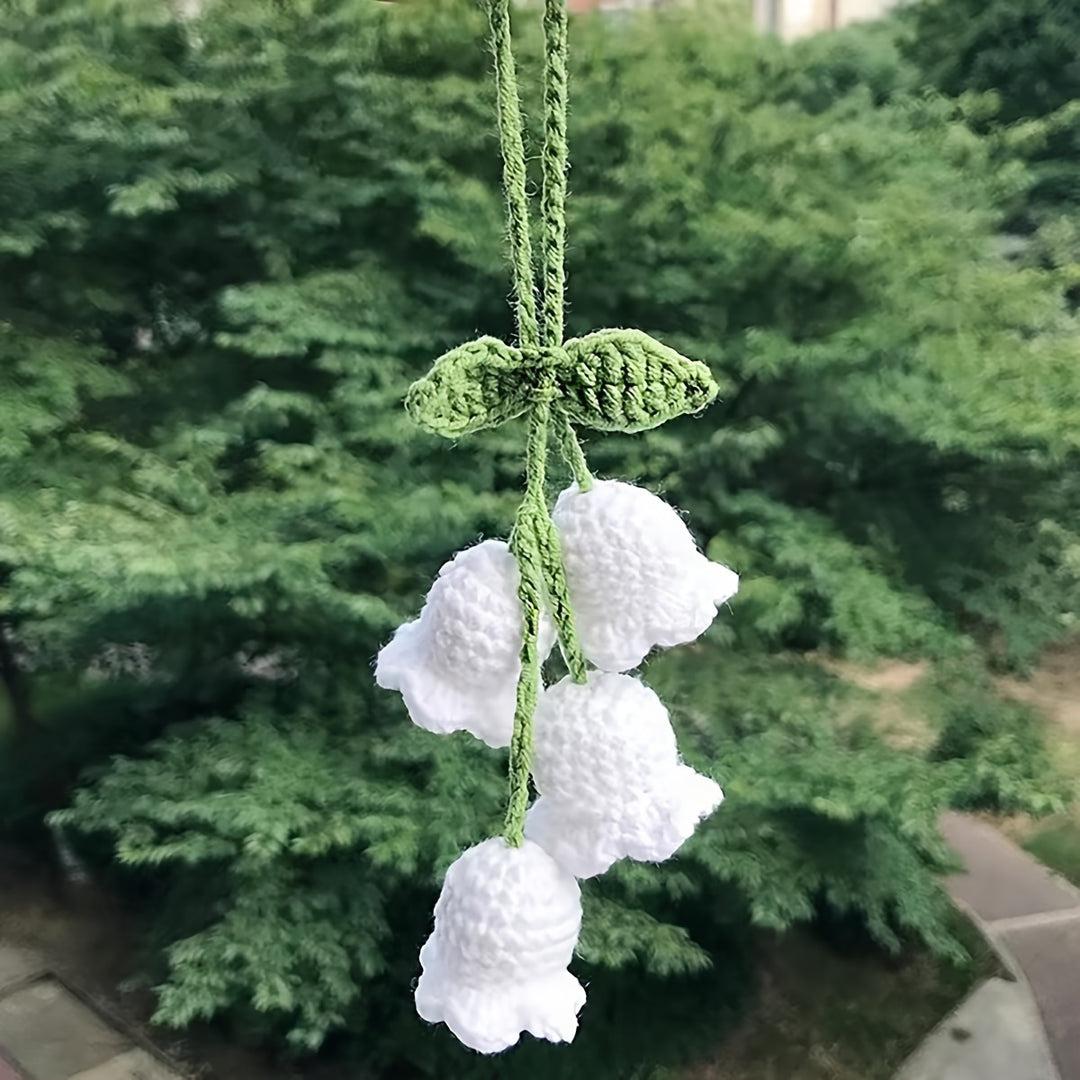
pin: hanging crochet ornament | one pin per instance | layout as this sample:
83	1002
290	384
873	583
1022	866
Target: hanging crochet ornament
610	780
635	576
505	929
457	666
611	574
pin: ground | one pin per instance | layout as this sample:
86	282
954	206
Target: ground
895	692
87	939
1054	690
819	1015
822	1016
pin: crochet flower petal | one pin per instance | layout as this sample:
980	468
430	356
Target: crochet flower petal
457	665
584	846
635	576
608	772
506	925
667	818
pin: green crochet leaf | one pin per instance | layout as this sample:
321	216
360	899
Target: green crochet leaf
475	386
624	380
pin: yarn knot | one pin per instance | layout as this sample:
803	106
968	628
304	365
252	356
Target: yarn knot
540	367
545	358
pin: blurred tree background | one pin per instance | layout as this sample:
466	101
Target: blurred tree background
1021	59
228	243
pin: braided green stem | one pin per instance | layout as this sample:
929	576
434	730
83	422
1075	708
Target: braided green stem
512	143
553	163
534	541
554	159
535	545
558	596
526	549
572	454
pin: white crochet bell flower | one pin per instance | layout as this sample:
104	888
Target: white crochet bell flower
506	925
611	784
635	576
457	665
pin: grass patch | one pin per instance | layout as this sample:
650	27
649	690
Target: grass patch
1057	844
825	1016
1053	689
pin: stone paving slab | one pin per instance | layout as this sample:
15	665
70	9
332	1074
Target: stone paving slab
133	1065
16	966
52	1035
1001	881
993	1033
1050	957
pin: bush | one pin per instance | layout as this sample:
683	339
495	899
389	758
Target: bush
997	749
326	838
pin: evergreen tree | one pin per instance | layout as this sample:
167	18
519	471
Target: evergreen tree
1022	58
227	245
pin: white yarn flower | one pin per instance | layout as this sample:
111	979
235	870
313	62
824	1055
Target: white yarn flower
611	784
457	665
635	576
506	925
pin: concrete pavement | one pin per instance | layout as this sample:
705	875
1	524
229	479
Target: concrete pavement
48	1032
995	1034
1028	1029
1032	917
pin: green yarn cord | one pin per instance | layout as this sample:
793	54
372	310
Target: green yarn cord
554	160
572	454
534	540
558	597
527	550
512	145
534	543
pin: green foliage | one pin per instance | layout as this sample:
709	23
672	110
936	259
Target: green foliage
325	837
1025	50
997	749
1021	56
229	245
807	585
317	832
863	59
838	269
812	813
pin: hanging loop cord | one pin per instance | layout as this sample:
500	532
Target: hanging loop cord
554	162
512	147
534	540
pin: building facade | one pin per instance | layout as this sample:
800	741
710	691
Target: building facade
796	18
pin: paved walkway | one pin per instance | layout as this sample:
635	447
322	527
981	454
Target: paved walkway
48	1032
995	1034
1032	917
